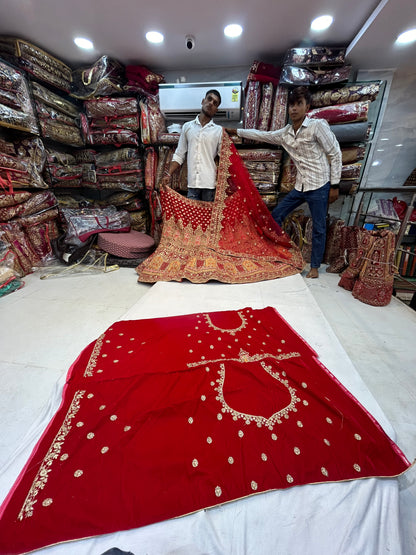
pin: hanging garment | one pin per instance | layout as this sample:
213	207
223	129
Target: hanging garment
233	239
163	417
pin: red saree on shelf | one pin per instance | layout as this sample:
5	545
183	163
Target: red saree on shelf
163	417
233	239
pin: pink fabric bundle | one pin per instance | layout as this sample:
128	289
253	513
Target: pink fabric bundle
133	244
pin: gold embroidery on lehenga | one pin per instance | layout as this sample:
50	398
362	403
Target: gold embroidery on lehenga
92	363
275	418
225	330
244	356
53	453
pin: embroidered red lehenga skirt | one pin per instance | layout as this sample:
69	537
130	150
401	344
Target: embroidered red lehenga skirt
163	417
233	239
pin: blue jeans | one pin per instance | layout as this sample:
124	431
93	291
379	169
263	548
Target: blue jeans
318	205
201	194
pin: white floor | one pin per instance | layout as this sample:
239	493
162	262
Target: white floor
45	325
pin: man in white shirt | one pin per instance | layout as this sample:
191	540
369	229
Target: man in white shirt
316	154
199	143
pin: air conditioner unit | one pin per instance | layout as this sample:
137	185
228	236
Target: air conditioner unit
182	101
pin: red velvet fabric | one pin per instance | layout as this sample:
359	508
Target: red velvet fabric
166	416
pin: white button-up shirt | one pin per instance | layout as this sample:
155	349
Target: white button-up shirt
314	150
200	144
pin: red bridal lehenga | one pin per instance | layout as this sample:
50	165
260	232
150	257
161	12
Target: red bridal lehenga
233	239
163	417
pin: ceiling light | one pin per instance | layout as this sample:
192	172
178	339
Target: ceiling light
86	44
406	37
234	30
321	23
155	37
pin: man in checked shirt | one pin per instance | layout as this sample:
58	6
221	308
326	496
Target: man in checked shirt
316	154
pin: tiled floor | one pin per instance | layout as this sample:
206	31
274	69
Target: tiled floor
46	324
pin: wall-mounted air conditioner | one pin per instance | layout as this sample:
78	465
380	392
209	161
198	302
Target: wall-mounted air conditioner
182	101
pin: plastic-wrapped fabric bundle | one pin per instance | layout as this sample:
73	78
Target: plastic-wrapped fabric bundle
345	94
58	126
110	107
104	78
351	154
52	99
16	110
124	175
112	136
279	114
315	56
293	75
288	175
153	122
81	223
24	168
36	61
62	169
260	154
350	171
266	107
342	113
252	104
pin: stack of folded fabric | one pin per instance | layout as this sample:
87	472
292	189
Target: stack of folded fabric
111	121
134	245
120	169
263	166
62	169
36	61
16	110
58	118
21	163
317	65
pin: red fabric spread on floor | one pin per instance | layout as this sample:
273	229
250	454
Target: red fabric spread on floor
166	416
233	239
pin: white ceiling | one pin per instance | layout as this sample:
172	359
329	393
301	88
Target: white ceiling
117	28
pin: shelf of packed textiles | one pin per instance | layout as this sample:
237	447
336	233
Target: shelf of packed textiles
28	227
22	161
16	107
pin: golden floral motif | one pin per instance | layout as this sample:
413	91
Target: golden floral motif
327	442
90	435
263	457
104	449
357	437
64	457
42	475
240	433
78	473
296	450
195	463
274	437
113	417
289	479
190	420
218	491
254	485
328	420
127	428
231	460
47	502
324	471
209	440
357	467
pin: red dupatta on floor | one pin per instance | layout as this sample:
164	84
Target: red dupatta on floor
166	416
233	239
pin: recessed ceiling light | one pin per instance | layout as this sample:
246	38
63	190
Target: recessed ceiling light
321	23
234	30
155	37
406	37
86	44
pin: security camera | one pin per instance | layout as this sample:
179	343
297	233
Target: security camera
190	42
